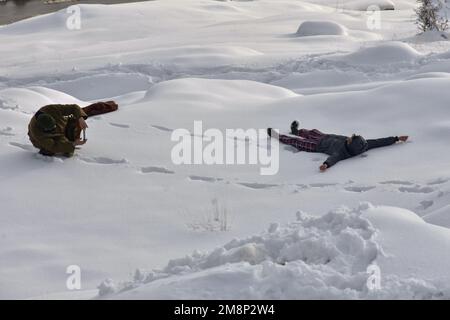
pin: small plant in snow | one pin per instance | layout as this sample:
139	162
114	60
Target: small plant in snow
215	218
431	15
220	215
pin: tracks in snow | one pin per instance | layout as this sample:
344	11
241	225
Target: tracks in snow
427	196
265	73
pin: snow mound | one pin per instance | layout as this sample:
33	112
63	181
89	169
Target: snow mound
217	92
319	28
307	258
323	257
29	100
386	53
103	85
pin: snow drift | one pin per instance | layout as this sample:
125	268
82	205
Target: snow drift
318	28
326	257
385	53
217	92
29	100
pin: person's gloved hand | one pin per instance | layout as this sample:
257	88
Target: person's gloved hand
323	167
82	123
403	138
79	142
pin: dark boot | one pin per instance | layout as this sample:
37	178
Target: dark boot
100	108
46	153
272	133
294	127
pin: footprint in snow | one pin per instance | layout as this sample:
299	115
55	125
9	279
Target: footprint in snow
416	189
48	159
205	179
103	160
253	185
119	125
322	185
291	149
161	128
359	189
8	106
156	170
398	182
7	132
26	147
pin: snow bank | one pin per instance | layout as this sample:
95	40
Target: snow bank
103	85
319	28
412	248
30	99
217	92
385	53
325	257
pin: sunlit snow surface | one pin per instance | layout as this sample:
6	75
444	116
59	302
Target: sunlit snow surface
121	204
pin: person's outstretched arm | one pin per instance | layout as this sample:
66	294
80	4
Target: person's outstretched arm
383	142
331	161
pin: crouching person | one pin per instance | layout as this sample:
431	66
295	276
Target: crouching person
55	129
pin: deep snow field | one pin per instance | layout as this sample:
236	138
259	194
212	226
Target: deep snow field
142	227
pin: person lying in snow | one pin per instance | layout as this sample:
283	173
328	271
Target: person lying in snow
56	129
336	146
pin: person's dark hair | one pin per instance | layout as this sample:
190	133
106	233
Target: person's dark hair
357	145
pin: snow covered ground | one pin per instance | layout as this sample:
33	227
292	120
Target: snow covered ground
194	231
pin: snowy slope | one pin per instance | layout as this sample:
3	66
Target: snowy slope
121	204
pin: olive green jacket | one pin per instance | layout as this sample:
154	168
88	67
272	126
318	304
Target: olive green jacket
55	141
